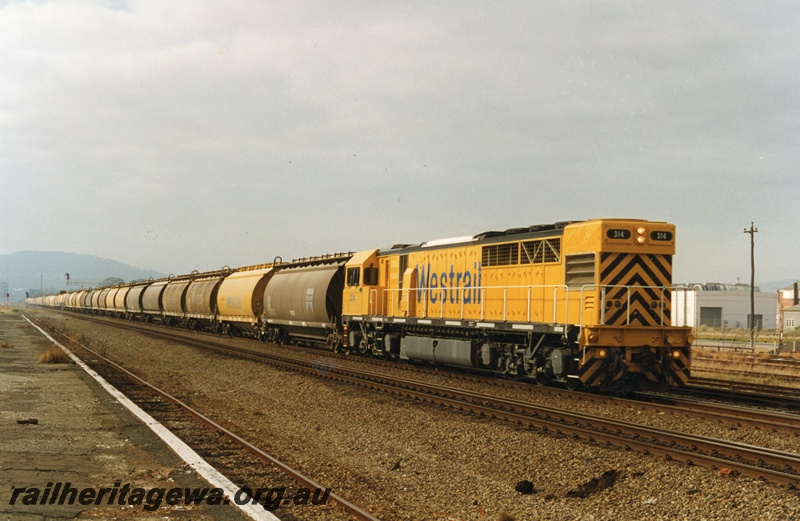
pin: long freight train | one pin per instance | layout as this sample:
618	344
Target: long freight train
585	303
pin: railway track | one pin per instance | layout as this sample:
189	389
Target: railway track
686	407
241	461
757	462
778	421
776	369
774	361
762	395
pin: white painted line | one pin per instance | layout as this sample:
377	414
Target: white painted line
186	453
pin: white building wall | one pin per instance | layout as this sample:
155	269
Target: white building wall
687	305
791	319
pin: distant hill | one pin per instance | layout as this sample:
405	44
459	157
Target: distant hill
44	271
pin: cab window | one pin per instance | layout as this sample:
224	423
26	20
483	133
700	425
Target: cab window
370	276
353	276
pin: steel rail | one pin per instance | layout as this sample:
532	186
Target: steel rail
731	414
746	459
305	481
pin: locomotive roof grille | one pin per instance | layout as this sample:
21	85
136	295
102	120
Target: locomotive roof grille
532	232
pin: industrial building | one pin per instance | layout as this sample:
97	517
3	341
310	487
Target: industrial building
722	305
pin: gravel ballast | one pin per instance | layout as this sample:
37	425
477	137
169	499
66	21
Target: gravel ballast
400	459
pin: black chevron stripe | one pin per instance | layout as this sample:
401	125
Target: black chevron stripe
661	263
664	265
623	266
635	280
636	265
641	275
636	298
644	315
615	261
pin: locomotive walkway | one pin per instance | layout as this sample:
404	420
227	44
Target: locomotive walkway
64	439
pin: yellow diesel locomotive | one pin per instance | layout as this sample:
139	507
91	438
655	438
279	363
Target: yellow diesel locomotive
583	303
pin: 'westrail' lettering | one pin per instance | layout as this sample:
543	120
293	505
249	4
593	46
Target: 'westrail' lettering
450	286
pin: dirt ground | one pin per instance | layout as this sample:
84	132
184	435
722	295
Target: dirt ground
58	426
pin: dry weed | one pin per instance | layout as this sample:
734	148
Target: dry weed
5	345
54	355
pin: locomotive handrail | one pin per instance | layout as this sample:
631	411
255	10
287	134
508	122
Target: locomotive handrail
603	288
464	294
561	293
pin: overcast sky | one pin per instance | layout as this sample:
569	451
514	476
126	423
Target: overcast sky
187	135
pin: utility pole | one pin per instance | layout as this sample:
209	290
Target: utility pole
752	231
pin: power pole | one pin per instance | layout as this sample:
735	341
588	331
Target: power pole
752	231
